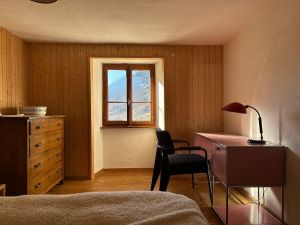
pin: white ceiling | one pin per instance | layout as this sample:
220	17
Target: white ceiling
130	21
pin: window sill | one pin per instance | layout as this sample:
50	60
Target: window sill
137	126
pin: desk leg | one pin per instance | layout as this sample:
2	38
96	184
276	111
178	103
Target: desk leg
227	201
213	191
282	205
258	204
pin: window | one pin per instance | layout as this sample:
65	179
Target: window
128	95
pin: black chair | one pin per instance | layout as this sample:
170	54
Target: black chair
168	163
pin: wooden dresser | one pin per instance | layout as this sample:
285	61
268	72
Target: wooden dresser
31	153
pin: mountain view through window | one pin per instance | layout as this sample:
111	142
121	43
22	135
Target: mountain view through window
118	99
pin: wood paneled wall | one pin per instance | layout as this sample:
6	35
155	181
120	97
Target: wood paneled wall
13	72
59	79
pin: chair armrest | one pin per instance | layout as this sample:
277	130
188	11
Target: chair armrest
181	141
161	148
199	148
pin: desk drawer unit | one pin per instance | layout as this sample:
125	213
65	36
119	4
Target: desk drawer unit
219	163
248	167
236	163
32	153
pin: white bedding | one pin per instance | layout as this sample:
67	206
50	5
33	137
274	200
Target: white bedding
113	208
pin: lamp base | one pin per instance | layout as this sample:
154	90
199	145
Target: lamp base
259	142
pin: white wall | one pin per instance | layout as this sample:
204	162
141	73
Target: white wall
96	115
129	147
262	68
125	147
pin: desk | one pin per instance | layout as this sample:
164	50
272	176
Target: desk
235	163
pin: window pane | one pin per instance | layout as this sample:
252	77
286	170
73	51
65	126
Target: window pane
141	111
141	86
117	85
117	111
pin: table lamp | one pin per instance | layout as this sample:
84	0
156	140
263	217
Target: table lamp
240	108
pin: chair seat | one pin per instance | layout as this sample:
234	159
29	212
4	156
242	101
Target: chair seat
187	163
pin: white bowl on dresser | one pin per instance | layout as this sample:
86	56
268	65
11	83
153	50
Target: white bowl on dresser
33	110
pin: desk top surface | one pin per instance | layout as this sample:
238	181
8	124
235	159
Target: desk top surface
233	140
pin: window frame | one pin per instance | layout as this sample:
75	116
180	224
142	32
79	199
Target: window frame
129	68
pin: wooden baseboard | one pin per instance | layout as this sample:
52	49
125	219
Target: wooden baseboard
97	174
77	178
127	169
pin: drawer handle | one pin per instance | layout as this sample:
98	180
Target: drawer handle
37	185
59	138
37	165
58	171
39	127
58	124
38	145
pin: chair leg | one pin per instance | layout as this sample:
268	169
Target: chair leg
193	180
164	176
156	169
209	187
164	181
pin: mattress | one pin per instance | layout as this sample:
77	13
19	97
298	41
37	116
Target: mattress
95	208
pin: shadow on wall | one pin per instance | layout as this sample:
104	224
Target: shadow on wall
283	126
233	123
8	111
289	123
288	136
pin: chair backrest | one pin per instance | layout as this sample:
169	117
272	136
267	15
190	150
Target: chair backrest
164	140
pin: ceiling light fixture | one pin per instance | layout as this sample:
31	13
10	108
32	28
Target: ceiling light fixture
44	1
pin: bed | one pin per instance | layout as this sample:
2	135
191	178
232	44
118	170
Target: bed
95	208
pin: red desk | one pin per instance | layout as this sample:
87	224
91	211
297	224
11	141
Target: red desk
235	163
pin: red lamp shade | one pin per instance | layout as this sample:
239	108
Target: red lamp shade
235	107
44	1
240	108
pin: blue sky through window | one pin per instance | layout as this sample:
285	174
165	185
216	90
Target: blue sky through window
115	75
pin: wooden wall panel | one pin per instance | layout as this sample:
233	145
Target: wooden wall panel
13	72
193	89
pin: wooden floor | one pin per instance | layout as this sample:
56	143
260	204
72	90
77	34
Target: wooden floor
140	179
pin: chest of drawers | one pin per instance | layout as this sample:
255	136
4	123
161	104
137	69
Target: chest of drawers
31	153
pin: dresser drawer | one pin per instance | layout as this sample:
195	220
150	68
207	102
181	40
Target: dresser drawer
219	162
43	142
46	125
42	162
46	179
